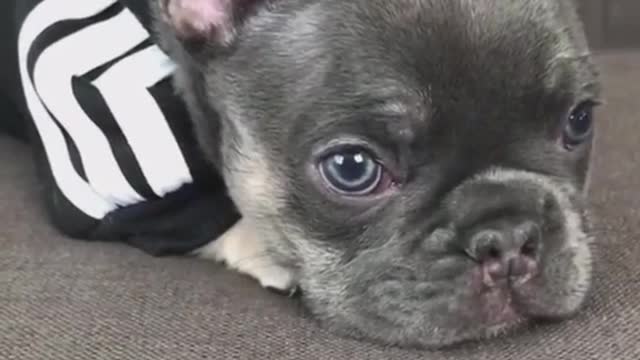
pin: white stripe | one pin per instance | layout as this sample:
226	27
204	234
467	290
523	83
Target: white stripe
144	125
77	191
77	54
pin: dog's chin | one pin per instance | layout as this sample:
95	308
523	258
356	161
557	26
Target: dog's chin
392	304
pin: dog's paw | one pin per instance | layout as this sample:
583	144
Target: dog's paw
242	249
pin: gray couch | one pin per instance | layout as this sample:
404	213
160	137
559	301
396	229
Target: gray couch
64	299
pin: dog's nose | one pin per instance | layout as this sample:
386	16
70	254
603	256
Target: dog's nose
507	252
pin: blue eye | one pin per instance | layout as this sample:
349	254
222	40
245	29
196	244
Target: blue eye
579	126
351	172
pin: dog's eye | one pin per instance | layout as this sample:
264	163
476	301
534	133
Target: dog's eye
578	126
352	172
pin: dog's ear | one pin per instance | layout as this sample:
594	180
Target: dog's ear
212	22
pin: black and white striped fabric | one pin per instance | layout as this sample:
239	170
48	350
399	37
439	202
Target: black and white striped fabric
89	73
113	134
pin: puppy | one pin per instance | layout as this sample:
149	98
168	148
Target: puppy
416	167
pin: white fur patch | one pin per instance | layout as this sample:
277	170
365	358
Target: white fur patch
242	249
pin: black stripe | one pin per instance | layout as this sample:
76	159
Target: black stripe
62	29
74	154
182	129
97	109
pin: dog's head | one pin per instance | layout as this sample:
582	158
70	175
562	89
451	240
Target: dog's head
421	164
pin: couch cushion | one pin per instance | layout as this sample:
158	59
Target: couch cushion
65	299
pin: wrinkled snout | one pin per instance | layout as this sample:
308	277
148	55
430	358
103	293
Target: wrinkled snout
501	226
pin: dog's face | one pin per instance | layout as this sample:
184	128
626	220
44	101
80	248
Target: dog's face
420	164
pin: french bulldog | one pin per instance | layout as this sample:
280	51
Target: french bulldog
418	168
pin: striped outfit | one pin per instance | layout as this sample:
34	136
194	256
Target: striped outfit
85	83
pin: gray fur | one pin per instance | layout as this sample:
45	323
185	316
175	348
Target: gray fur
474	88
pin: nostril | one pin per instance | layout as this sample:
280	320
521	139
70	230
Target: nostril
530	248
486	245
531	238
494	253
